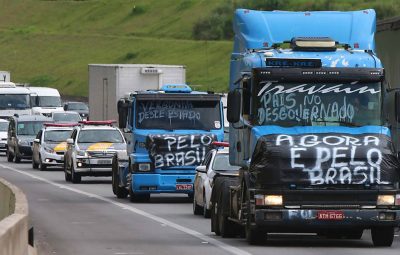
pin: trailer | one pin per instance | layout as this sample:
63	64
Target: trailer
110	82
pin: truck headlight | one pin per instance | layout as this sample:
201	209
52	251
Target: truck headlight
81	153
271	200
386	200
144	167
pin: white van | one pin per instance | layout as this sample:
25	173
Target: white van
14	100
45	100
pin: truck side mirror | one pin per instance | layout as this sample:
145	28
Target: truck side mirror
36	140
234	106
397	105
65	107
70	141
201	169
122	107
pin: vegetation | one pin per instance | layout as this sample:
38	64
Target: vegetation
50	43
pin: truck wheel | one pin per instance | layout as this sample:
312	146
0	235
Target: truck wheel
197	210
67	175
226	227
214	219
10	157
75	178
120	192
34	164
382	236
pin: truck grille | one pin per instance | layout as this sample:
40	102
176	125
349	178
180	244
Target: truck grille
331	198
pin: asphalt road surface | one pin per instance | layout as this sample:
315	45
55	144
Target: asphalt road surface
87	218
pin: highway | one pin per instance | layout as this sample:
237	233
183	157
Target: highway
88	219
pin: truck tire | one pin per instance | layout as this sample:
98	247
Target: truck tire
226	227
75	178
120	192
197	210
67	175
214	218
382	236
10	157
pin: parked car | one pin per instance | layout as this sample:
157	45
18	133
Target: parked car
22	130
50	145
66	117
91	148
216	162
3	135
78	107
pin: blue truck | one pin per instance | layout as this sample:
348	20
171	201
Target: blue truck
168	131
308	126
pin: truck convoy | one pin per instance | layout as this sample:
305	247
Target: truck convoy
168	132
308	127
110	82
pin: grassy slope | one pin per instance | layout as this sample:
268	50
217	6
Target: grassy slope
51	42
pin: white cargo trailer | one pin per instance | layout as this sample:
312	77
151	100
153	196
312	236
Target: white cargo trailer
109	82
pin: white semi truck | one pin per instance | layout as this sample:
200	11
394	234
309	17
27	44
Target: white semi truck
110	82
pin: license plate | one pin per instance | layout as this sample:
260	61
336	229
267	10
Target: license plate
184	186
330	215
104	161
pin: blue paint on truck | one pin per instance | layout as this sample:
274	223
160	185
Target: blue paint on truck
169	131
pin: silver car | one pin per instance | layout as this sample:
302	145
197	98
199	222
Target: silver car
50	144
216	162
90	150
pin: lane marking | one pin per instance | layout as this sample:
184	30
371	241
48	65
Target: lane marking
217	243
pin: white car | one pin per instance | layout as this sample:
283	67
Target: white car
50	144
216	162
90	150
3	135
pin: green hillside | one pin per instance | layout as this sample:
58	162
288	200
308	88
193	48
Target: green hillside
50	43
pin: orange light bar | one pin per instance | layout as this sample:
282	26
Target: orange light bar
220	144
60	124
98	122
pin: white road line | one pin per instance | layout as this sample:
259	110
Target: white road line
226	247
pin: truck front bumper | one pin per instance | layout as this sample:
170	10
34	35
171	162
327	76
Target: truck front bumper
162	183
307	220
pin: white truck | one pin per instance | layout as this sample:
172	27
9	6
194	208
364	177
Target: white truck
45	100
110	82
14	100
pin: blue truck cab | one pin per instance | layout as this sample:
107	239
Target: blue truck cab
169	131
308	126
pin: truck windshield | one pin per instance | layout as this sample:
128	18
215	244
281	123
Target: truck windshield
100	136
30	128
318	104
47	101
14	101
181	114
57	135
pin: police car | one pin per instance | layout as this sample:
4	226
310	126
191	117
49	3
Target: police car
50	144
90	149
